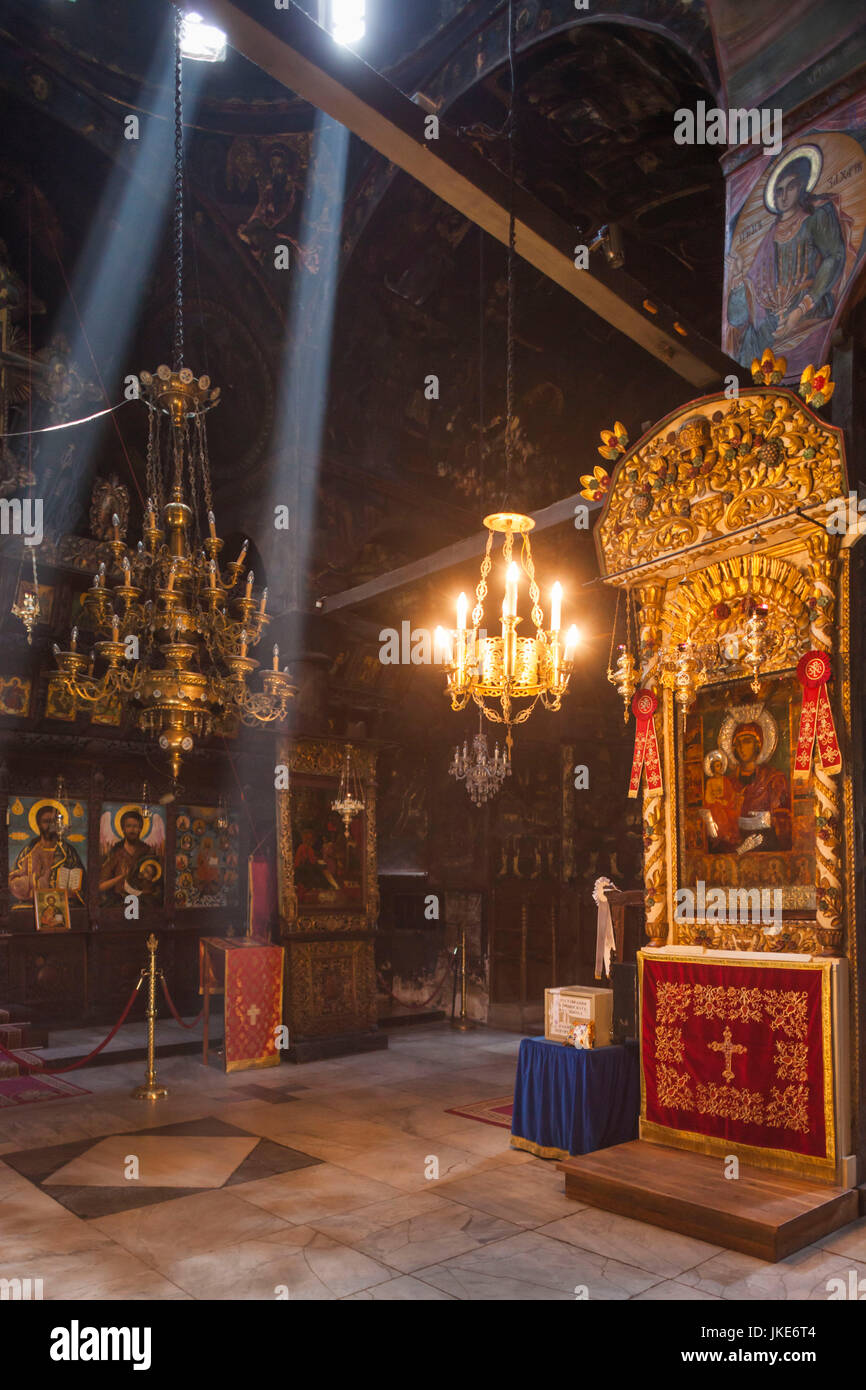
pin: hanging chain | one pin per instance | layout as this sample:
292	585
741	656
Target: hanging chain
613	634
178	192
204	461
159	482
481	588
150	466
509	324
629	622
193	490
528	564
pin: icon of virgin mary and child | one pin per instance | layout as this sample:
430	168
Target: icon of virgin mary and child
747	803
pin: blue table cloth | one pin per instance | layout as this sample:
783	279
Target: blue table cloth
571	1100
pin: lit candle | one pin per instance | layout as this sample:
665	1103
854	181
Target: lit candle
443	644
239	561
250	581
264	603
572	638
100	575
115	523
115	628
170	581
243	642
125	566
211	521
276	657
462	609
509	638
73	640
212	572
556	607
512	579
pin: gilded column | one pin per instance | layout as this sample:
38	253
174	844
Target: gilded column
824	570
651	600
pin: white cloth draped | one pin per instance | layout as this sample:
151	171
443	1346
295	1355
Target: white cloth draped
605	941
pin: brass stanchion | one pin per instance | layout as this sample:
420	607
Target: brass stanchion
150	1090
463	1022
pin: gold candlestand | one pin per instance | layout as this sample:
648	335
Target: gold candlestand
150	1090
463	1022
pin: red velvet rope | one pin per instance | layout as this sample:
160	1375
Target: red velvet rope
170	1002
29	1068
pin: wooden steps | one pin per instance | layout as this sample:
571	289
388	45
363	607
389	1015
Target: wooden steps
768	1215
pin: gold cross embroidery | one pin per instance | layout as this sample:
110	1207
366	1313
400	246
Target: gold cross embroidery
728	1048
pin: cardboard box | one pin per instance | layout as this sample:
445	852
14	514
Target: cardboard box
569	1004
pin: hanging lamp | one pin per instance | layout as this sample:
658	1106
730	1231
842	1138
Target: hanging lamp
512	671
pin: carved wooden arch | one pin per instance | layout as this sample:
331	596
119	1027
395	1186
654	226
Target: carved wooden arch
690	490
709	607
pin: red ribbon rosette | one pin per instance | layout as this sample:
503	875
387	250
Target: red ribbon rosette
816	718
646	749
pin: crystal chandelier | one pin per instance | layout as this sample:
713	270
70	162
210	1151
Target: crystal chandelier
482	773
173	627
350	801
508	668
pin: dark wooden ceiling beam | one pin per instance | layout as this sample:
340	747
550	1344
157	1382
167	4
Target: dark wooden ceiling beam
294	50
446	558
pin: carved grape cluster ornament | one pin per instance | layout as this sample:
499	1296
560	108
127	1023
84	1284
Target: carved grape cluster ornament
733	464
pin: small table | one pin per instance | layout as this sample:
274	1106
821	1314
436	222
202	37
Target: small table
249	974
573	1100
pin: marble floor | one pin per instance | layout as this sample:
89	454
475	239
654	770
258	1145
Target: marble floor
345	1179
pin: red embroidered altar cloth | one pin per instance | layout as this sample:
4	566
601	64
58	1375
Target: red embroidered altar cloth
735	1054
251	976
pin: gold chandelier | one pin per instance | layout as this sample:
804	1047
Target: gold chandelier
172	626
510	667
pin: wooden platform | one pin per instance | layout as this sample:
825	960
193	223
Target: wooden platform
769	1215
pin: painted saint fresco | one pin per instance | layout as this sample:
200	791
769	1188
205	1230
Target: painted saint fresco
795	243
207	872
132	849
746	824
328	864
47	848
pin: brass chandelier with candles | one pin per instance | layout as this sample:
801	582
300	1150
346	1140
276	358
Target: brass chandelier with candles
172	626
514	671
